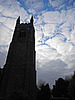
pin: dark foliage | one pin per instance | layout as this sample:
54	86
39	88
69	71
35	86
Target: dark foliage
63	88
44	93
71	88
60	88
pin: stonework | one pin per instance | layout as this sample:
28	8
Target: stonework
19	70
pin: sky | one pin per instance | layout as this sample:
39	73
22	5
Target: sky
54	22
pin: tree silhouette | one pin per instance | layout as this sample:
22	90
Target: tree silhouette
44	92
59	89
71	88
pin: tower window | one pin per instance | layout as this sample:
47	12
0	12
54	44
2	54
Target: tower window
28	28
18	28
22	33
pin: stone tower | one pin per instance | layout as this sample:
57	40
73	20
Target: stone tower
19	70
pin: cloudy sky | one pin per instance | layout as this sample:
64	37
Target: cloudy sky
54	22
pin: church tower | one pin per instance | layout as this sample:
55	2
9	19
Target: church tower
19	70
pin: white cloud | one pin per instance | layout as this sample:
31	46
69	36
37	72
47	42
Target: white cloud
57	22
8	22
70	1
60	46
2	60
5	35
32	11
49	29
10	10
63	16
64	48
51	17
3	54
56	3
70	60
40	20
55	41
45	54
52	70
74	4
4	48
34	4
73	36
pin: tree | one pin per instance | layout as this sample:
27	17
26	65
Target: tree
59	89
41	83
44	91
71	88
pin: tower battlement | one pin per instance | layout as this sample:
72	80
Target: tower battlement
31	21
24	31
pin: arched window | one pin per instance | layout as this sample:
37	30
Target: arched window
22	33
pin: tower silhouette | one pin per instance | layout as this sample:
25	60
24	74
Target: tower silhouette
19	70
